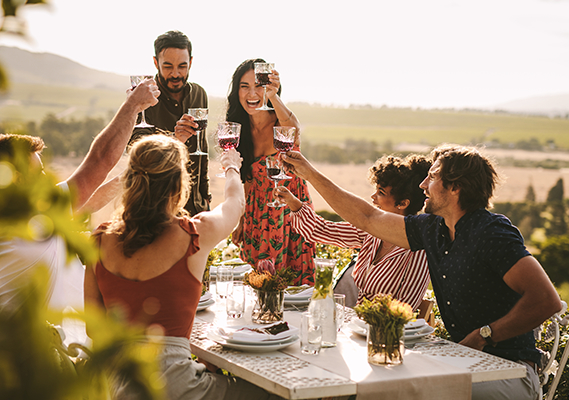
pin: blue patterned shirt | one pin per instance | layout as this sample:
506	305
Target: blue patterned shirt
467	274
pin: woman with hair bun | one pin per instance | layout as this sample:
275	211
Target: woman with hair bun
152	259
381	267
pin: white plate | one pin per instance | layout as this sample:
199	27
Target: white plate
205	304
267	339
360	330
205	297
238	270
254	348
418	333
416	324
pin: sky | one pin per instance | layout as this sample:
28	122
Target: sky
399	53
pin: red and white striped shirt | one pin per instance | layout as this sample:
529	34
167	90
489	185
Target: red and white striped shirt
402	273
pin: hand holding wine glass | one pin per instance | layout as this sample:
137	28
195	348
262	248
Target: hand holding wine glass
274	173
231	159
200	117
227	137
283	141
135	80
262	71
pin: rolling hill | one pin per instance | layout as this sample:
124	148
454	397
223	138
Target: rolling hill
44	83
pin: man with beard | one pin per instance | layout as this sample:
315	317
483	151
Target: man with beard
173	59
490	291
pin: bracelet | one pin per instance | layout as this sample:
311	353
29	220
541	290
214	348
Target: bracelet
233	168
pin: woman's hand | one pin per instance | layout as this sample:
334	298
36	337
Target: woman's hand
231	159
273	87
284	195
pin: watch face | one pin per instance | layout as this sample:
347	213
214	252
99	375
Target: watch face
485	331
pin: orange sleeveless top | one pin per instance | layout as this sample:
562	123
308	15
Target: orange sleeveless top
169	299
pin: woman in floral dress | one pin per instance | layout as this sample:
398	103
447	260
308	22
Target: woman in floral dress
265	232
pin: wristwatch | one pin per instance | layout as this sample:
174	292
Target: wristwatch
486	333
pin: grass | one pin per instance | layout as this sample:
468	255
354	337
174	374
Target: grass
27	102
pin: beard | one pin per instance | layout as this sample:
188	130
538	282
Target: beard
164	82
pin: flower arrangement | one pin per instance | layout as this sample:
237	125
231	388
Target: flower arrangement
266	278
269	284
386	318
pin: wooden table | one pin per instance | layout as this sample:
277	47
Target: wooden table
429	371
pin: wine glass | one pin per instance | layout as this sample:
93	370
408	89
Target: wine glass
134	82
283	141
274	173
262	71
200	118
227	137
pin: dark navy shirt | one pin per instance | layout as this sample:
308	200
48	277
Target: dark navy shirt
467	274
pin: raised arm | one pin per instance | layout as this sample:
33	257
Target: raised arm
285	116
354	209
539	301
217	224
109	145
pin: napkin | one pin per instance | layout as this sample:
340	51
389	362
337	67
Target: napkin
302	294
257	334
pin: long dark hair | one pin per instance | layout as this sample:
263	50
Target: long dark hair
236	113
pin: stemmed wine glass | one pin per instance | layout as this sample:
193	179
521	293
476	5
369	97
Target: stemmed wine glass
262	71
274	173
227	137
283	140
134	82
200	118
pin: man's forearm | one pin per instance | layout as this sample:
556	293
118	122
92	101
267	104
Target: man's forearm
104	153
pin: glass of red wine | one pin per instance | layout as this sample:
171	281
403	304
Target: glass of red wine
262	71
200	118
283	141
274	173
227	137
134	82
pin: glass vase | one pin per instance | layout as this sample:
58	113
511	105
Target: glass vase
322	305
384	347
269	307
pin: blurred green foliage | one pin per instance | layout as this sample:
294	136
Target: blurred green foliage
32	207
34	364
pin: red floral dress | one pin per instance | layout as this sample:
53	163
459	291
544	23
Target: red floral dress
267	231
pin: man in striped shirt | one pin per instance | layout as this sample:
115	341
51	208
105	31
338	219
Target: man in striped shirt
381	267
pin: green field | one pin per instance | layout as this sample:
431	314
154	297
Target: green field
320	124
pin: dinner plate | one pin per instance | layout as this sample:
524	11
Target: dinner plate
418	333
358	329
205	297
238	271
254	348
416	324
283	336
202	305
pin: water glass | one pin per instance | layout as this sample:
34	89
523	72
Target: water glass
235	301
340	300
310	334
224	280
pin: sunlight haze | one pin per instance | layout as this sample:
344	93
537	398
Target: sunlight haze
416	53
